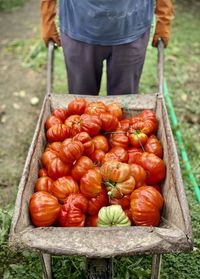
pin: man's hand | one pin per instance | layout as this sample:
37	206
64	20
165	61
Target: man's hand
164	16
48	13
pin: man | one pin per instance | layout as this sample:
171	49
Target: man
117	31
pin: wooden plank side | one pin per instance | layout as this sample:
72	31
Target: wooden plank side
103	242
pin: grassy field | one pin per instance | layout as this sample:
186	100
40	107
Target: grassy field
182	68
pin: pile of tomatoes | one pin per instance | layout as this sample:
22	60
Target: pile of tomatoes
99	169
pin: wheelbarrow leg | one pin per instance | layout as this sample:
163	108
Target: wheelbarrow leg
46	265
99	268
156	265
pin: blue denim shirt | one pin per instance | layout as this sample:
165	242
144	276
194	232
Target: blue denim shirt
105	22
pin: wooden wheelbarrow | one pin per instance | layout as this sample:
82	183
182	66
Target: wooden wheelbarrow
100	245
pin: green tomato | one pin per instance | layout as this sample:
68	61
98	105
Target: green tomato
112	215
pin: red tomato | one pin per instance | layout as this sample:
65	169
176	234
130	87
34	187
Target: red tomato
97	157
115	110
121	153
124	125
44	209
131	153
73	211
47	157
95	203
66	141
90	183
57	132
91	221
52	120
101	143
60	113
110	157
42	172
128	212
109	122
56	168
153	165
119	189
44	183
124	201
139	175
64	186
71	151
146	126
119	139
82	165
90	124
153	145
115	171
146	205
54	146
95	108
73	123
87	143
77	106
137	139
149	114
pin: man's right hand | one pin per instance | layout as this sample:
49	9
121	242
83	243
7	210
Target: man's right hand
48	13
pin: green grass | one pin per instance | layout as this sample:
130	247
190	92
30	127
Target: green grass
10	4
182	69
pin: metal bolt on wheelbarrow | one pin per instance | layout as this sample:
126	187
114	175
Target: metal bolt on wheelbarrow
100	245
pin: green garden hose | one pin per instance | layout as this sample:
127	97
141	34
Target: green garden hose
180	141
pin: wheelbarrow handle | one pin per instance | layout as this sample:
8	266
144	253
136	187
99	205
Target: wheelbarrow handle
160	66
50	66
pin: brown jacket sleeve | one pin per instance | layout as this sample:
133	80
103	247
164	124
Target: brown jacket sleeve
164	15
48	13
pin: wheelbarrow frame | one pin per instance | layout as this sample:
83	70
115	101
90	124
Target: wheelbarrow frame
174	233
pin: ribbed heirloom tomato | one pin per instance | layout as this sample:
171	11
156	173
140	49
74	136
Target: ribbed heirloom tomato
139	175
73	211
43	183
115	109
119	139
60	113
52	120
95	108
119	189
97	157
77	106
90	124
146	205
47	157
137	138
115	171
153	165
57	132
87	142
42	172
64	186
109	122
71	152
90	183
56	168
121	153
153	145
82	165
112	215
101	142
95	203
44	209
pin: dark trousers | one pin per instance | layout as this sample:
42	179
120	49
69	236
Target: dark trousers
84	63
